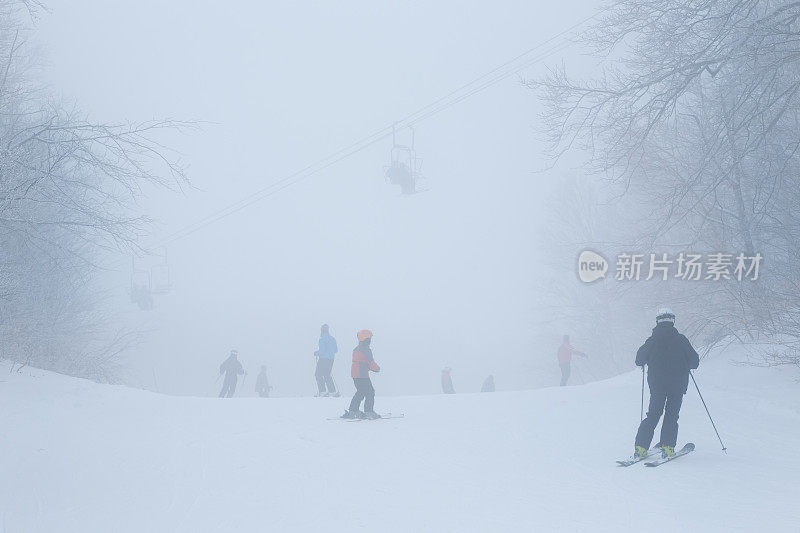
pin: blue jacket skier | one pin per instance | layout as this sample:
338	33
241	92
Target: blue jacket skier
669	356
325	355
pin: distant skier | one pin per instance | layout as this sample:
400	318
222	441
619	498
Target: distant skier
363	364
325	354
488	384
669	356
565	353
447	381
262	383
232	369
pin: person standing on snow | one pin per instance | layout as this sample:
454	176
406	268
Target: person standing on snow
232	369
262	384
565	353
488	384
669	356
447	381
363	364
325	354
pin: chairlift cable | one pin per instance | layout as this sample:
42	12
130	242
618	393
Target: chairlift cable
453	98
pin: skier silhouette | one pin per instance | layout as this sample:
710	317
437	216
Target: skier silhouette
262	383
232	369
565	353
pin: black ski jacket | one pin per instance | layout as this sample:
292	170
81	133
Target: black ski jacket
231	368
669	356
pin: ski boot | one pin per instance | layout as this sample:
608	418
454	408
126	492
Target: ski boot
640	452
371	415
350	414
667	451
334	394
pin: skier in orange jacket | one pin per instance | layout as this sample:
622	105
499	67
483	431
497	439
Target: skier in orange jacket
363	364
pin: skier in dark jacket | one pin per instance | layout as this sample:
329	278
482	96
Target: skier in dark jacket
262	383
363	364
669	356
232	369
488	384
325	354
447	381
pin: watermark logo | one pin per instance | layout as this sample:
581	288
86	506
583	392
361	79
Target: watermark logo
591	266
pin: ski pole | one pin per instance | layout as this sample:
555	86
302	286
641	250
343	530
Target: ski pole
724	449
641	413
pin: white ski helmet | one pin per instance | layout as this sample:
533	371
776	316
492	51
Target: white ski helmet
665	314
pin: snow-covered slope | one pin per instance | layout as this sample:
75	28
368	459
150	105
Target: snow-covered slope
76	456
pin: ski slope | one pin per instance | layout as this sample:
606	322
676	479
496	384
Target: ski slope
80	457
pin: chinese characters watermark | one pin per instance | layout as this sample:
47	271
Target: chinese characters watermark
685	266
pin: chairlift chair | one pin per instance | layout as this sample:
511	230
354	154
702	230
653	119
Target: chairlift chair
140	287
160	282
145	282
404	165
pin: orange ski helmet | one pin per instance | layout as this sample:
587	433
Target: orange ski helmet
364	334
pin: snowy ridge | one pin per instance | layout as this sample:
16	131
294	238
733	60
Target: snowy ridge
82	457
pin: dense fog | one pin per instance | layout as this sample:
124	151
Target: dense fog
190	179
448	276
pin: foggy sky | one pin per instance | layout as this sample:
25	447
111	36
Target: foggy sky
442	278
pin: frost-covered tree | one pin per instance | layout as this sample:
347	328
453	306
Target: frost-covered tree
694	122
68	190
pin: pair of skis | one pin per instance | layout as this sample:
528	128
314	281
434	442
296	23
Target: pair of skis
687	448
387	416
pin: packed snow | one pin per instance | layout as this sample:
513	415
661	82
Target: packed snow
78	457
